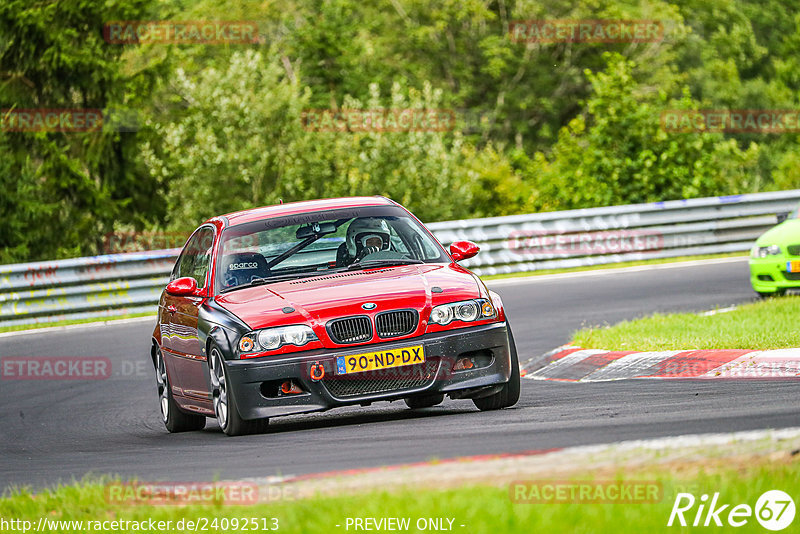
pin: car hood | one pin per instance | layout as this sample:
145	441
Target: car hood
785	233
318	299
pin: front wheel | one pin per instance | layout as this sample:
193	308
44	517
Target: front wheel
509	395
174	419
224	402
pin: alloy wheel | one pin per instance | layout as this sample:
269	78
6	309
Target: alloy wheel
220	387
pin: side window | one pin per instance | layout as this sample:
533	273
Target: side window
414	244
196	256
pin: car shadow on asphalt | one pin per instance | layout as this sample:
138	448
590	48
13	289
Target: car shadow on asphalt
332	419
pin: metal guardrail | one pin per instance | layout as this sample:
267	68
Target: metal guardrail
83	288
552	240
117	284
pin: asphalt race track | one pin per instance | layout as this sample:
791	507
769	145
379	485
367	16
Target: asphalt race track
62	430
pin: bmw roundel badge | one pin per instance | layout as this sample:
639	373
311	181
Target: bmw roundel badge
369	305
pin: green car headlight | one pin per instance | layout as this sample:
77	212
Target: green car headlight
763	252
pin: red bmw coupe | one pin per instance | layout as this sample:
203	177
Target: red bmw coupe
313	305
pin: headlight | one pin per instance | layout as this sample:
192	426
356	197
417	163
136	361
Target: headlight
274	338
465	310
763	252
298	335
270	339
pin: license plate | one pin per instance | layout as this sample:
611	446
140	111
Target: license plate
793	266
385	359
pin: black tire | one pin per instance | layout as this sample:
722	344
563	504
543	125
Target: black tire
426	401
509	395
228	417
173	417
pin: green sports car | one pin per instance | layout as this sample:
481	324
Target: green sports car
775	258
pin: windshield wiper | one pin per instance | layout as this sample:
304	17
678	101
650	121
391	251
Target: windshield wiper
271	279
382	263
251	283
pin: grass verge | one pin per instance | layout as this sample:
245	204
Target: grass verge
477	508
768	324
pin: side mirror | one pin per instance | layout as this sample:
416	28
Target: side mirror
463	250
183	287
782	216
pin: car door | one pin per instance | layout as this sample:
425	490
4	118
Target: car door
184	356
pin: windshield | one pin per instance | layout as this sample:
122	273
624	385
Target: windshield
320	243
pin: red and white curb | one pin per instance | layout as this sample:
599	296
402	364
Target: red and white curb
575	364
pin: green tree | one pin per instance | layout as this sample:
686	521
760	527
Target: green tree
618	152
241	143
70	186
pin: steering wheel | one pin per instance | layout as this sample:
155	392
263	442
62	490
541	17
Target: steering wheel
366	251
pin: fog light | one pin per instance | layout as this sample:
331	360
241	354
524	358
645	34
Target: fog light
290	388
463	364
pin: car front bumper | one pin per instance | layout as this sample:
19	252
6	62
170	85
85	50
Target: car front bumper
768	275
252	381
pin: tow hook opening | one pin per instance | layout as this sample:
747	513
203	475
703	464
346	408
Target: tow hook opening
317	372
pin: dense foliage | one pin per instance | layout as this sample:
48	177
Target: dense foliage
539	126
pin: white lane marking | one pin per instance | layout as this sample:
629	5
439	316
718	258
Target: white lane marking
93	324
691	440
718	310
554	368
597	272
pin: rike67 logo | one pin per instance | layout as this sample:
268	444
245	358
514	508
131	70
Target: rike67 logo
774	510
